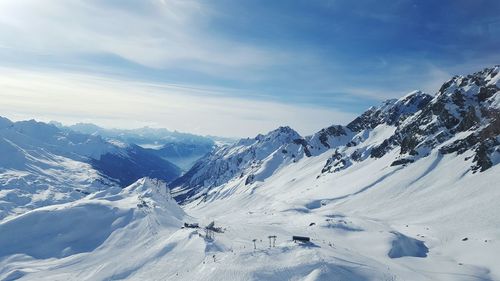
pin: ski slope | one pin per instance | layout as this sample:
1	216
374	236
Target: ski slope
375	222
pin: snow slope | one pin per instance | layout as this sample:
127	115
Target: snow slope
363	226
99	234
411	165
393	223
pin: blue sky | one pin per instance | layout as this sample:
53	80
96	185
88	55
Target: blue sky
307	64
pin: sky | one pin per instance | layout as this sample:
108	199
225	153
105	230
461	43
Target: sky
232	68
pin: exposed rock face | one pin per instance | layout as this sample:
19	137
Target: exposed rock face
336	163
334	130
463	105
328	138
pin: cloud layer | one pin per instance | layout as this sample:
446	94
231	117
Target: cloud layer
72	98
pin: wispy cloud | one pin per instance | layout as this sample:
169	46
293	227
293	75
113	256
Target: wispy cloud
153	33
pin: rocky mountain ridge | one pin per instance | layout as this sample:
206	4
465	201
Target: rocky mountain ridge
463	116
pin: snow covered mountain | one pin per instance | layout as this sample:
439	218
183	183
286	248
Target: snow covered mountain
41	165
246	161
406	191
462	117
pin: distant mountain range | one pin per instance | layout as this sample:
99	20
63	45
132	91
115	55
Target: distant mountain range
41	164
182	149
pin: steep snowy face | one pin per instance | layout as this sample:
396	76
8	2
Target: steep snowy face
32	135
246	160
365	134
251	160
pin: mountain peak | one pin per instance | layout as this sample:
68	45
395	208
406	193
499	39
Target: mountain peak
147	187
282	133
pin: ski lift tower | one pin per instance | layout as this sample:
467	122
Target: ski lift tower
209	229
272	238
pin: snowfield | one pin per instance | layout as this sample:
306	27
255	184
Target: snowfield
373	223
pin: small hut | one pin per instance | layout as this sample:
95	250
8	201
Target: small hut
302	239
